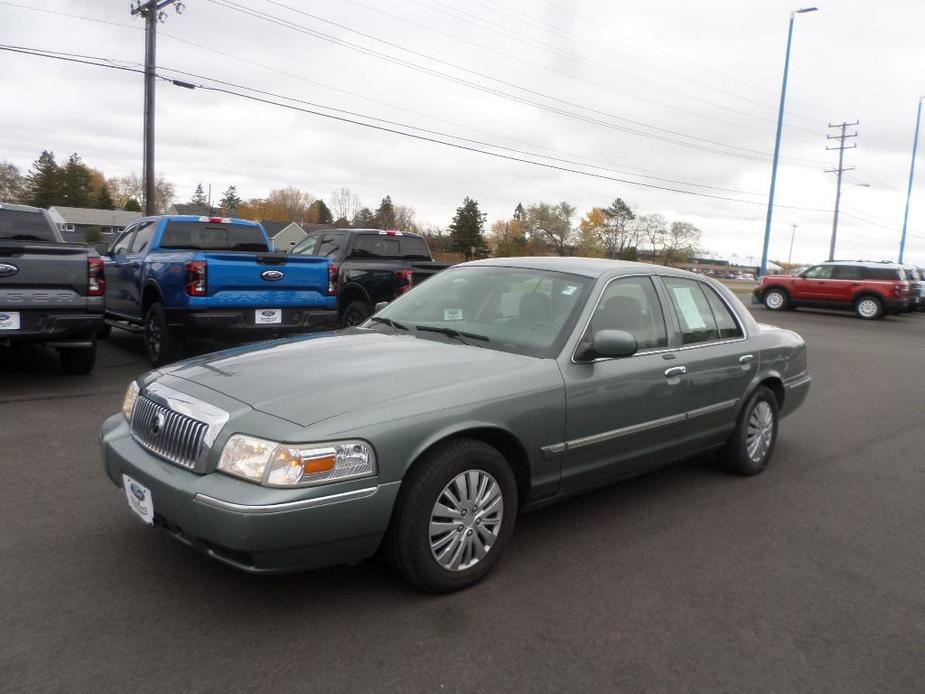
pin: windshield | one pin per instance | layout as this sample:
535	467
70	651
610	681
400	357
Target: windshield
511	309
25	226
210	236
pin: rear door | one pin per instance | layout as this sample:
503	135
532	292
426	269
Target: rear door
845	282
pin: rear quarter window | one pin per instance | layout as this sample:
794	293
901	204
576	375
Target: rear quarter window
887	274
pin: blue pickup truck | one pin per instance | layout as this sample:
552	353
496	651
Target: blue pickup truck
172	276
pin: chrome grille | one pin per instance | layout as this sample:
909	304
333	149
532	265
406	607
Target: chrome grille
168	434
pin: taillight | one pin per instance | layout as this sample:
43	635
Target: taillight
195	282
332	280
96	281
405	281
901	288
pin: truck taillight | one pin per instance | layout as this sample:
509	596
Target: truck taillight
195	282
901	288
332	280
96	281
405	281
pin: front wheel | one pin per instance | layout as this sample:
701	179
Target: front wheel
453	517
868	308
776	300
161	343
748	450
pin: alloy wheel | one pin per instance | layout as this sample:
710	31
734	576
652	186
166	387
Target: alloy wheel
466	520
774	300
760	431
868	308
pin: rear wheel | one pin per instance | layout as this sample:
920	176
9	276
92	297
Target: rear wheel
161	343
776	300
868	308
104	332
78	360
748	450
453	517
355	313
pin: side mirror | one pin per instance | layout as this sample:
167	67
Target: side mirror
381	305
610	344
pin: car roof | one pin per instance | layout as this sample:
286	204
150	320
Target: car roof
588	267
19	208
863	263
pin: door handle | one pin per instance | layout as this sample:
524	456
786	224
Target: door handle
747	358
675	371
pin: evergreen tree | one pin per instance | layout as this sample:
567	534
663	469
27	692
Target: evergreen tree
43	184
466	229
385	214
363	219
230	201
132	205
324	214
519	213
199	196
76	183
104	199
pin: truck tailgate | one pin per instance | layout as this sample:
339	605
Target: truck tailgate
45	275
249	279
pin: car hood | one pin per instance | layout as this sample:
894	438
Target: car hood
309	379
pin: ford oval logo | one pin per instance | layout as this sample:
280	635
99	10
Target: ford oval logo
157	424
137	491
269	313
7	270
4	316
272	275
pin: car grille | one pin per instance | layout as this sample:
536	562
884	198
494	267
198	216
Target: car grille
168	434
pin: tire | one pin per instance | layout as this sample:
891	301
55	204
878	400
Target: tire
162	344
776	300
104	332
355	313
869	308
408	542
749	448
78	361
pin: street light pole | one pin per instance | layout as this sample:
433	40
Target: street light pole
915	145
763	269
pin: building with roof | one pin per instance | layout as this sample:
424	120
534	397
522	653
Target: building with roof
83	224
284	235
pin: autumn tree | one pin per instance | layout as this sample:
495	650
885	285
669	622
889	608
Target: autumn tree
12	183
199	196
553	225
43	184
507	238
384	217
466	229
592	229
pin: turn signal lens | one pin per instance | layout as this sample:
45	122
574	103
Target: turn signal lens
128	402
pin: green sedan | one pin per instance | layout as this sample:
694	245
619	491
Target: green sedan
492	388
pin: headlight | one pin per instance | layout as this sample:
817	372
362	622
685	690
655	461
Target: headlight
128	402
296	465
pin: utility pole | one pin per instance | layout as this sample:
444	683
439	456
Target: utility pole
152	12
792	235
841	147
915	146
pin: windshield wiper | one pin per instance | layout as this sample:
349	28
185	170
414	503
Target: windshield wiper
389	321
450	332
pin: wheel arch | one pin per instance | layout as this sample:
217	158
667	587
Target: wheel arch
151	293
350	293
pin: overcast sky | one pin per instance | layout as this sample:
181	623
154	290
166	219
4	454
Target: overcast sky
598	83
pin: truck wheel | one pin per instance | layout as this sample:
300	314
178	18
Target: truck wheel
104	332
161	343
749	448
453	517
78	360
776	300
868	308
355	313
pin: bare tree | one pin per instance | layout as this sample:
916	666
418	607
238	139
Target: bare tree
404	217
344	204
124	188
553	225
652	229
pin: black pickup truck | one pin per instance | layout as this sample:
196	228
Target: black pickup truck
50	292
372	266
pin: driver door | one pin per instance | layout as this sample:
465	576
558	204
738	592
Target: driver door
118	277
814	284
623	415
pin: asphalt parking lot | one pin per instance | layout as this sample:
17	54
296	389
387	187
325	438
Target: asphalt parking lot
810	577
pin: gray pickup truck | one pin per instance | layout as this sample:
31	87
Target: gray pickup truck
51	292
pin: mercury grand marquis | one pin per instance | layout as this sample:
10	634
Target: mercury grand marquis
494	387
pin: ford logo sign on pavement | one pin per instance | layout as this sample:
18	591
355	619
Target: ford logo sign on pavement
7	270
272	275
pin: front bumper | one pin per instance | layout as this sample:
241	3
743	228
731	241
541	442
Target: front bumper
243	320
249	527
37	325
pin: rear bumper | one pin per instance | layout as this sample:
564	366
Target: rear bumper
243	320
795	392
38	325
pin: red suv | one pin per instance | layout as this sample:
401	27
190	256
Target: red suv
870	289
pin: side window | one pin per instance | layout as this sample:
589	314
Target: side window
330	245
143	237
693	309
725	321
631	304
124	242
846	272
886	274
819	272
